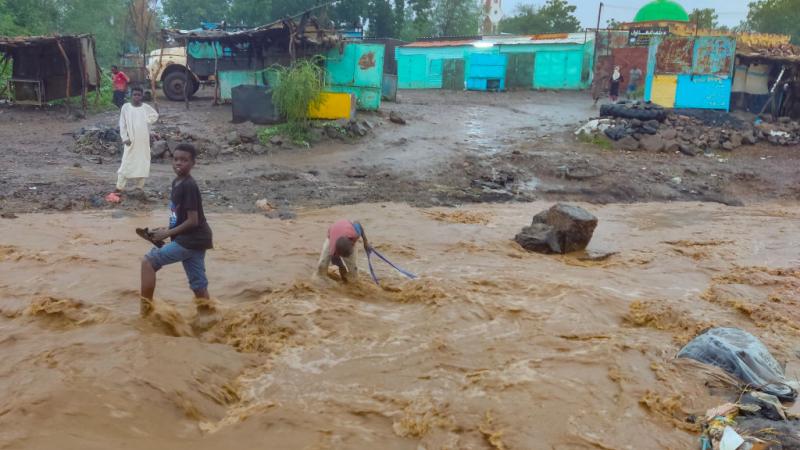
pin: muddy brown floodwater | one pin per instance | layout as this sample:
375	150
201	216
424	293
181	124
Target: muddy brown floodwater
492	348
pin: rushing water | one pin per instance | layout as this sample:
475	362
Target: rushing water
492	348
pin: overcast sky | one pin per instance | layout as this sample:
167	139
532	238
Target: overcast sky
730	12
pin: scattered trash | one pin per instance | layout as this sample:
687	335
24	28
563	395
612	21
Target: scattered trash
264	205
730	439
742	355
113	197
594	125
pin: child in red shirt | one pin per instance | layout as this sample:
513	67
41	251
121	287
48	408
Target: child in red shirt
339	249
120	81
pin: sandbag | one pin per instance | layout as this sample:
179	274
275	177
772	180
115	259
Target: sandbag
643	112
742	355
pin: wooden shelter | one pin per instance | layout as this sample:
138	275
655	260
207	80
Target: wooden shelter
47	68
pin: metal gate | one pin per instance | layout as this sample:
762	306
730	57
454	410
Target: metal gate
453	74
519	72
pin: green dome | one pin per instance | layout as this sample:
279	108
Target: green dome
662	10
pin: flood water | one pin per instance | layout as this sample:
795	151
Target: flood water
492	348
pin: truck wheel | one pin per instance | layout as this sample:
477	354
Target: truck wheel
173	86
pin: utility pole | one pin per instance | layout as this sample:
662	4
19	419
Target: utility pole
596	38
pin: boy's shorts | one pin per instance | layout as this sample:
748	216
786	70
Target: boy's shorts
632	87
194	263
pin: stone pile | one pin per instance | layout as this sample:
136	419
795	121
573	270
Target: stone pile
687	131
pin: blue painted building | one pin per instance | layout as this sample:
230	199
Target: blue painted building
497	63
690	72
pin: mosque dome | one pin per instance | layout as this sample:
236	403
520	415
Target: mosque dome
662	10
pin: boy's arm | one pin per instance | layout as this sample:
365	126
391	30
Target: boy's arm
192	220
123	129
342	269
363	236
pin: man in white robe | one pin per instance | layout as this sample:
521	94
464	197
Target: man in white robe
135	119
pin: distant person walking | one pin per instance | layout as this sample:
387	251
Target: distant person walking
120	81
633	83
135	119
616	80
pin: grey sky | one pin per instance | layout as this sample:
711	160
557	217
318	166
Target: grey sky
730	12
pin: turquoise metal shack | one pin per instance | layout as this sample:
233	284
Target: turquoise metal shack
249	57
497	63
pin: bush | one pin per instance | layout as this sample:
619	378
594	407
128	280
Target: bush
299	86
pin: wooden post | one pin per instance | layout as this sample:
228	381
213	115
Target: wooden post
84	77
217	93
186	73
97	72
69	78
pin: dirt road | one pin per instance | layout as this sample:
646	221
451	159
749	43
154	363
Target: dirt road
492	348
458	147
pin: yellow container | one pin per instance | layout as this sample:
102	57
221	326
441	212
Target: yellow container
334	105
664	89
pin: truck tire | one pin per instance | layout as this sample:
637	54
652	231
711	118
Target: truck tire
173	86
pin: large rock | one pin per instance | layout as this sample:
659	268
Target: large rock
628	143
561	229
670	134
652	143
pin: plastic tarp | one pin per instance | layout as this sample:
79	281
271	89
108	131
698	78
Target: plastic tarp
742	355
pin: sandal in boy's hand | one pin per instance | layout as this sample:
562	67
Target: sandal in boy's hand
147	235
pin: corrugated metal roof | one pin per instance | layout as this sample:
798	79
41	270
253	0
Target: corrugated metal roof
448	43
560	38
23	41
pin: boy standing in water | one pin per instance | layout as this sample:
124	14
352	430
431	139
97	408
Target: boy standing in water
188	229
339	249
134	129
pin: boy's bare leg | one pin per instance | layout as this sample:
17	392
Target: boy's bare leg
148	287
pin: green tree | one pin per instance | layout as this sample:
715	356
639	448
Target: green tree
613	24
399	15
288	8
555	16
381	19
105	19
250	13
188	14
706	18
31	17
457	17
349	14
775	16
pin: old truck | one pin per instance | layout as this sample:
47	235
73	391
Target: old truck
169	69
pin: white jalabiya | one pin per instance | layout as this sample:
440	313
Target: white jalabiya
134	126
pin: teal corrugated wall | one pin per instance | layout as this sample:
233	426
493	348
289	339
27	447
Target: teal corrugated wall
421	67
357	69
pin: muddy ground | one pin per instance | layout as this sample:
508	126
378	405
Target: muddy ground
458	147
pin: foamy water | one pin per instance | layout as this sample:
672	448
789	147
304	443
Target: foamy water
492	347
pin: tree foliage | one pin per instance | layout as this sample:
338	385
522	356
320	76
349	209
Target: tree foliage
189	14
457	17
775	16
706	18
555	16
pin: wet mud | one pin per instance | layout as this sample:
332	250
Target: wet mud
492	348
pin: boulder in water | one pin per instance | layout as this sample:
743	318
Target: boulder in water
561	229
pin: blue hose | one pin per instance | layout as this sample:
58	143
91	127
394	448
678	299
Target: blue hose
372	271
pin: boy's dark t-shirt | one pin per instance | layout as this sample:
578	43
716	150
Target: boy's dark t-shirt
185	197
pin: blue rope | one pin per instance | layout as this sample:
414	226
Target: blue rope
372	271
